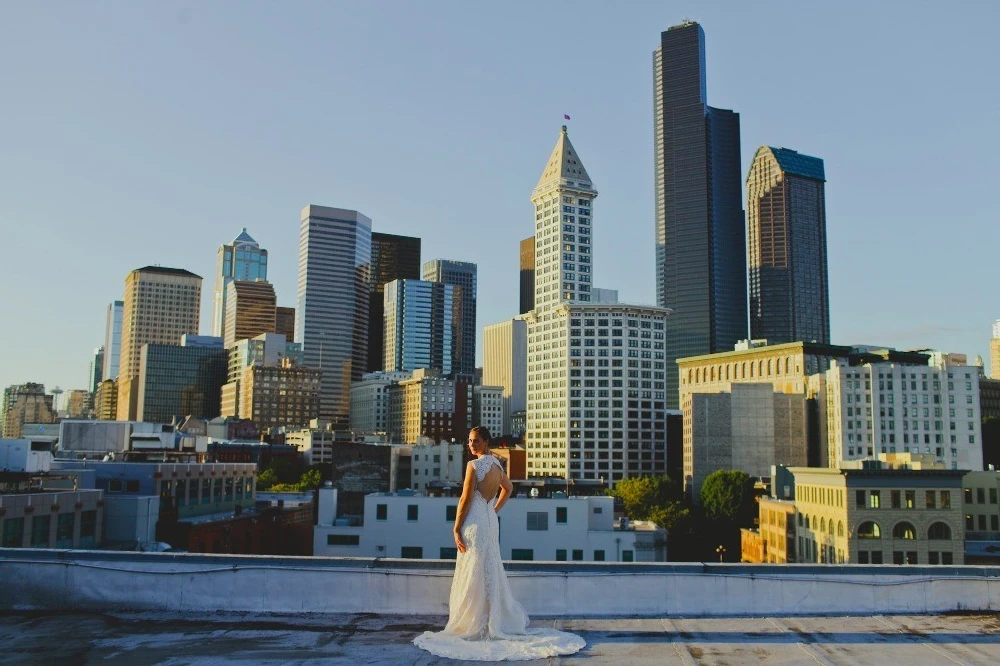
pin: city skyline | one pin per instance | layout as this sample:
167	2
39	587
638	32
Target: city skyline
191	166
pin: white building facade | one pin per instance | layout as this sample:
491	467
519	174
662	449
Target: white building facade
596	384
437	465
892	408
487	408
370	401
562	529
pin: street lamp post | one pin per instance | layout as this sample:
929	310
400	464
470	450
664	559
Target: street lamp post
721	550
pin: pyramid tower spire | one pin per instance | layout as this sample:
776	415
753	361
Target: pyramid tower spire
564	168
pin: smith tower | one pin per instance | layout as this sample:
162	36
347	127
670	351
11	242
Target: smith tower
700	234
595	379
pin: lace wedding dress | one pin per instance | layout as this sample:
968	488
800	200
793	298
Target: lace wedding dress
485	622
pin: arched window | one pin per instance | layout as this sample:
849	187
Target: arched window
807	522
904	530
729	367
713	373
840	528
830	526
760	368
869	530
743	373
770	367
751	369
822	524
786	365
689	375
939	532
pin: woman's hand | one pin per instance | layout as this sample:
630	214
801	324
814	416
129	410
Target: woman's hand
458	540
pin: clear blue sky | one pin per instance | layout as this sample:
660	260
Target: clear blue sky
134	133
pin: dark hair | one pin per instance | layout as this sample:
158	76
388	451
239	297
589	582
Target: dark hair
483	433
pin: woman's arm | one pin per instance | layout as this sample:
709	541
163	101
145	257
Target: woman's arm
506	488
464	503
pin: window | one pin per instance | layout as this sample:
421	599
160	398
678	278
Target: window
895	499
411	512
598	509
939	532
577	555
869	530
411	552
64	530
862	557
381	511
904	530
450	512
628	556
40	531
561	514
874	499
598	555
980	496
88	528
561	555
538	521
945	499
859	498
929	499
13	532
911	499
449	553
343	540
523	554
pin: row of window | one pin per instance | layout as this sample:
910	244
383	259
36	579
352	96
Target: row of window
40	526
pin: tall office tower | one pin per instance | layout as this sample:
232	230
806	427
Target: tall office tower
593	410
161	304
995	351
96	369
786	221
393	258
284	322
243	259
700	236
113	339
250	310
179	380
25	403
331	314
106	401
527	301
78	403
420	321
505	363
461	274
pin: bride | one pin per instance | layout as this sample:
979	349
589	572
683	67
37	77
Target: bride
485	622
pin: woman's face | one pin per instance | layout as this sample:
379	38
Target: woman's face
476	445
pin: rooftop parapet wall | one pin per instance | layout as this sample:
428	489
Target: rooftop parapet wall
98	580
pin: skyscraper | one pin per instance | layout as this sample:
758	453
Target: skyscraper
505	364
995	351
112	339
161	304
527	300
331	313
595	371
96	369
284	322
25	403
393	258
700	234
243	259
250	310
461	274
180	380
786	221
420	319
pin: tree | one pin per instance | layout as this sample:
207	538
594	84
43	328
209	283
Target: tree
727	496
267	479
729	503
644	496
310	480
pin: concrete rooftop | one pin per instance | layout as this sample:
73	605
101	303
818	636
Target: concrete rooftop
141	638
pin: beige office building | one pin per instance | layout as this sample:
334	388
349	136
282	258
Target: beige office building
505	364
749	428
251	309
279	396
161	304
995	351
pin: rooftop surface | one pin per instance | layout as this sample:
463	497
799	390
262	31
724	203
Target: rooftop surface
156	638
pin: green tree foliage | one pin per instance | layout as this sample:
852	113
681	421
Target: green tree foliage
644	496
267	479
727	496
311	480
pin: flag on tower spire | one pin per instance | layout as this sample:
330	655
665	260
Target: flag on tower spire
565	117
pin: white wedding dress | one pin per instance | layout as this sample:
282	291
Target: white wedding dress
485	622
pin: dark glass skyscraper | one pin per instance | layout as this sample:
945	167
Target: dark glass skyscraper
786	215
700	234
527	300
393	258
461	274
